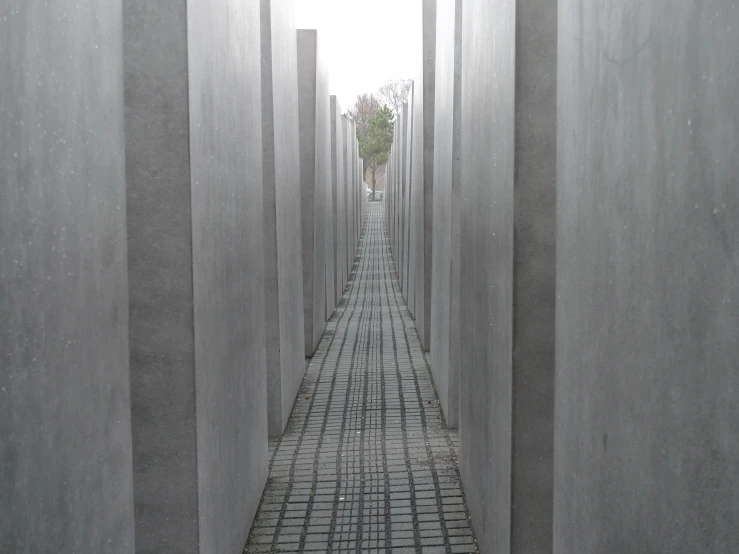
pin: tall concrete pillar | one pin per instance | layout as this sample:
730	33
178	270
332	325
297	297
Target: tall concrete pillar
647	427
508	270
315	181
363	189
389	195
447	199
330	283
355	183
338	185
397	144
347	130
422	178
196	272
405	169
65	427
283	298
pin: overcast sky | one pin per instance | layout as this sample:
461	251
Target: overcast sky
367	41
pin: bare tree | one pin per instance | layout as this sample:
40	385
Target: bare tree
394	93
364	109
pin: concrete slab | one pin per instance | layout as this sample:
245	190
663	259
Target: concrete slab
398	145
196	272
283	299
646	432
346	146
405	195
445	285
315	172
351	172
508	271
65	428
338	183
355	185
422	179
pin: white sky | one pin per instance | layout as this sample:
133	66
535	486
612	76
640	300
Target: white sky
367	42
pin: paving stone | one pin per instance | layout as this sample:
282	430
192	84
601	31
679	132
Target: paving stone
366	461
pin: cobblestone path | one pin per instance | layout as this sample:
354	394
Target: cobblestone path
366	463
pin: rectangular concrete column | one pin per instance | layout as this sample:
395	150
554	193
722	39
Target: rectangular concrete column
315	180
508	271
399	200
422	180
389	196
329	215
196	272
387	201
283	298
397	144
447	199
405	171
647	428
347	130
65	427
339	187
363	194
352	193
355	184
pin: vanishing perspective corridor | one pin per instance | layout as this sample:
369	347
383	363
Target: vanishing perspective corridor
366	463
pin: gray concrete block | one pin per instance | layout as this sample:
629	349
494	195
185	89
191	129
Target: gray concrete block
647	429
65	428
445	285
355	186
196	272
508	271
283	297
338	184
330	283
397	187
346	147
405	196
362	194
422	180
315	181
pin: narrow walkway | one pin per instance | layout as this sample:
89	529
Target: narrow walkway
366	463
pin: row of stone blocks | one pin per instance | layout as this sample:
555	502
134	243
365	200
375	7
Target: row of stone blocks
180	204
580	197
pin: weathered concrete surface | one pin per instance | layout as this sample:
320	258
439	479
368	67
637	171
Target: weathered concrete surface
327	183
283	297
347	129
422	178
315	179
338	185
508	271
647	429
397	187
161	326
65	429
405	195
389	198
445	285
362	196
224	63
355	185
196	276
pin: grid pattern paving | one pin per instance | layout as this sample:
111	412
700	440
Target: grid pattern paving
366	463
